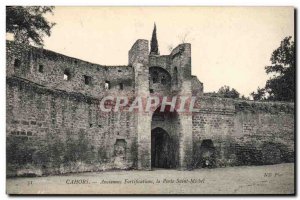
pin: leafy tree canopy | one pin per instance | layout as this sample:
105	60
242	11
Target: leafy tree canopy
226	92
259	94
28	23
281	87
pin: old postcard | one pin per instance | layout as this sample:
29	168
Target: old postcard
150	100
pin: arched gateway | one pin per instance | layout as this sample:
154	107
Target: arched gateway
162	154
164	139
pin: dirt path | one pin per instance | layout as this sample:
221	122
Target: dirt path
272	179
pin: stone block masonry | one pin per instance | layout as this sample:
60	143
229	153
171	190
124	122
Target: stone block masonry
54	130
244	132
54	123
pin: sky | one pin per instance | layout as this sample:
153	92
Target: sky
230	45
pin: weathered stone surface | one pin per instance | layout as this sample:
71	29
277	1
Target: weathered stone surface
57	126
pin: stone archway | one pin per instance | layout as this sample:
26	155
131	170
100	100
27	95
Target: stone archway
207	154
162	149
159	80
165	139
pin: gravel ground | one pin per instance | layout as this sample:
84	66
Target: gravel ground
268	179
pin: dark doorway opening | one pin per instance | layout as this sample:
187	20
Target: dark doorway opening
162	149
207	154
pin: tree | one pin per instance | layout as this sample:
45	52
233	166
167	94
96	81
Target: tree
282	86
183	37
170	48
259	95
244	98
154	43
28	23
226	92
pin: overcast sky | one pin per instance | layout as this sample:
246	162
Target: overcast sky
230	46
